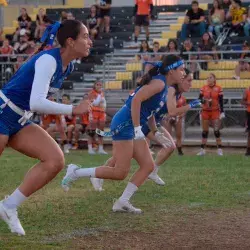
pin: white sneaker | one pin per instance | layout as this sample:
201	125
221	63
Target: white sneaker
220	152
69	177
202	152
10	216
91	152
97	183
66	148
156	178
125	206
102	152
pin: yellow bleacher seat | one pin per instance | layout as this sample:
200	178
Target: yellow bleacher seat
175	26
222	65
161	41
9	30
181	20
220	74
225	84
113	85
134	67
169	34
15	23
203	6
124	76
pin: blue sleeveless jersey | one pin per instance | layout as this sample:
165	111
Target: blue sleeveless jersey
153	104
148	108
18	89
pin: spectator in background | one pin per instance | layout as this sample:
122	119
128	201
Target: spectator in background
155	57
105	8
24	24
238	15
93	22
194	20
247	24
21	46
207	44
172	46
97	116
188	47
6	48
42	22
64	16
144	49
243	66
216	19
225	5
142	11
70	16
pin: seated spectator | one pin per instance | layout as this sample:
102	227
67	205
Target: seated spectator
225	5
144	49
105	7
70	16
64	16
247	24
172	46
155	57
243	66
93	22
216	19
21	46
42	21
238	15
24	24
207	44
19	63
194	20
6	49
188	47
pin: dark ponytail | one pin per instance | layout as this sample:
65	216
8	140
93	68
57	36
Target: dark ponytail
168	63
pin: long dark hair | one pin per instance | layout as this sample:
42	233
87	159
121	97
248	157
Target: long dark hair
166	61
67	29
213	9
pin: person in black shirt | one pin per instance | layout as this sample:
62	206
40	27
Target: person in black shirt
104	7
93	22
194	20
24	23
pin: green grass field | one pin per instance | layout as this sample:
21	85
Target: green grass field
205	205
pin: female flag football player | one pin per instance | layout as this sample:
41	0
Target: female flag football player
211	95
174	92
128	139
27	92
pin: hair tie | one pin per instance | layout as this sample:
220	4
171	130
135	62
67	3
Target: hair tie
49	34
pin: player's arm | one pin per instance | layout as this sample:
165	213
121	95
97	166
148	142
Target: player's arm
143	94
152	124
171	104
221	102
45	68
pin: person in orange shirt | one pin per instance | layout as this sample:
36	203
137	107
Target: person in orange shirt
70	122
97	116
246	103
53	124
142	11
177	122
211	96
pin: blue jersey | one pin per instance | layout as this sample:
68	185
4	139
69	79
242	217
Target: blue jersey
148	108
153	104
18	89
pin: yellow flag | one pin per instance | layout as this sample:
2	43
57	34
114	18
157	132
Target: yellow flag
3	2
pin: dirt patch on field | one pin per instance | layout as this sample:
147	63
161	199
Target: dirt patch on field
191	230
